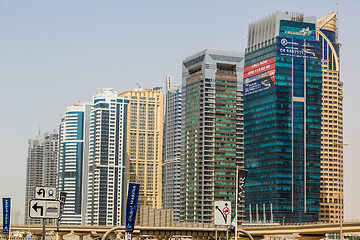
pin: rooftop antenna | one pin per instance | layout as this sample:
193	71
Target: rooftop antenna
337	21
39	129
138	85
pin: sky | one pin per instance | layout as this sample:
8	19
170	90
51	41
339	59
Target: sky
56	53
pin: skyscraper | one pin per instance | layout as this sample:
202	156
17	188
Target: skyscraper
41	167
211	88
107	159
282	118
73	162
332	178
145	142
172	149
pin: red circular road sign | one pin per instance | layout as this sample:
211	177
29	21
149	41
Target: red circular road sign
226	210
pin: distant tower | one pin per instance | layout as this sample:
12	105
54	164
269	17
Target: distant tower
172	149
144	143
211	140
73	162
41	167
107	159
332	156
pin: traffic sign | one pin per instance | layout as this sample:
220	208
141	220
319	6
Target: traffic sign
45	193
44	208
222	213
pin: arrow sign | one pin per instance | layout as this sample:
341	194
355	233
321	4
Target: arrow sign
44	208
222	213
41	192
48	193
36	207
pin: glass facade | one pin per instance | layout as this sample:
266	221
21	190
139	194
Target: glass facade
212	128
282	128
171	166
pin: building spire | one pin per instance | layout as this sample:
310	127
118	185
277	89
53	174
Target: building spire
337	21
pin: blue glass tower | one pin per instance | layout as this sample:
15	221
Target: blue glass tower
282	119
73	161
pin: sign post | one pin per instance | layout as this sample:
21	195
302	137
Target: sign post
222	213
62	204
44	206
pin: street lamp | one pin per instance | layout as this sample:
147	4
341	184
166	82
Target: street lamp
342	198
283	220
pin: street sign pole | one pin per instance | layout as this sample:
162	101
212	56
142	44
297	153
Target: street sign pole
44	206
43	222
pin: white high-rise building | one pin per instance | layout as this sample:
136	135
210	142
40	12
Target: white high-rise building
41	167
107	159
73	161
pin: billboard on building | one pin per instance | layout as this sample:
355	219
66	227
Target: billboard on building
298	48
259	76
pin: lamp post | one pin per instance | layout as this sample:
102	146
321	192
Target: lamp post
341	199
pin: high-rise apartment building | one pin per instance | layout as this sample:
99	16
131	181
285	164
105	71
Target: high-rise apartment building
211	139
145	142
332	184
172	149
282	119
73	162
41	167
107	159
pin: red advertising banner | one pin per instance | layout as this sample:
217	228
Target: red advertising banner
267	65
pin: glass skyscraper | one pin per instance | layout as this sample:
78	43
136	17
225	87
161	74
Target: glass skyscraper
282	119
211	143
73	161
172	148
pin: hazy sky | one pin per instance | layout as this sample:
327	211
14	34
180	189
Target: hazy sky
55	53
